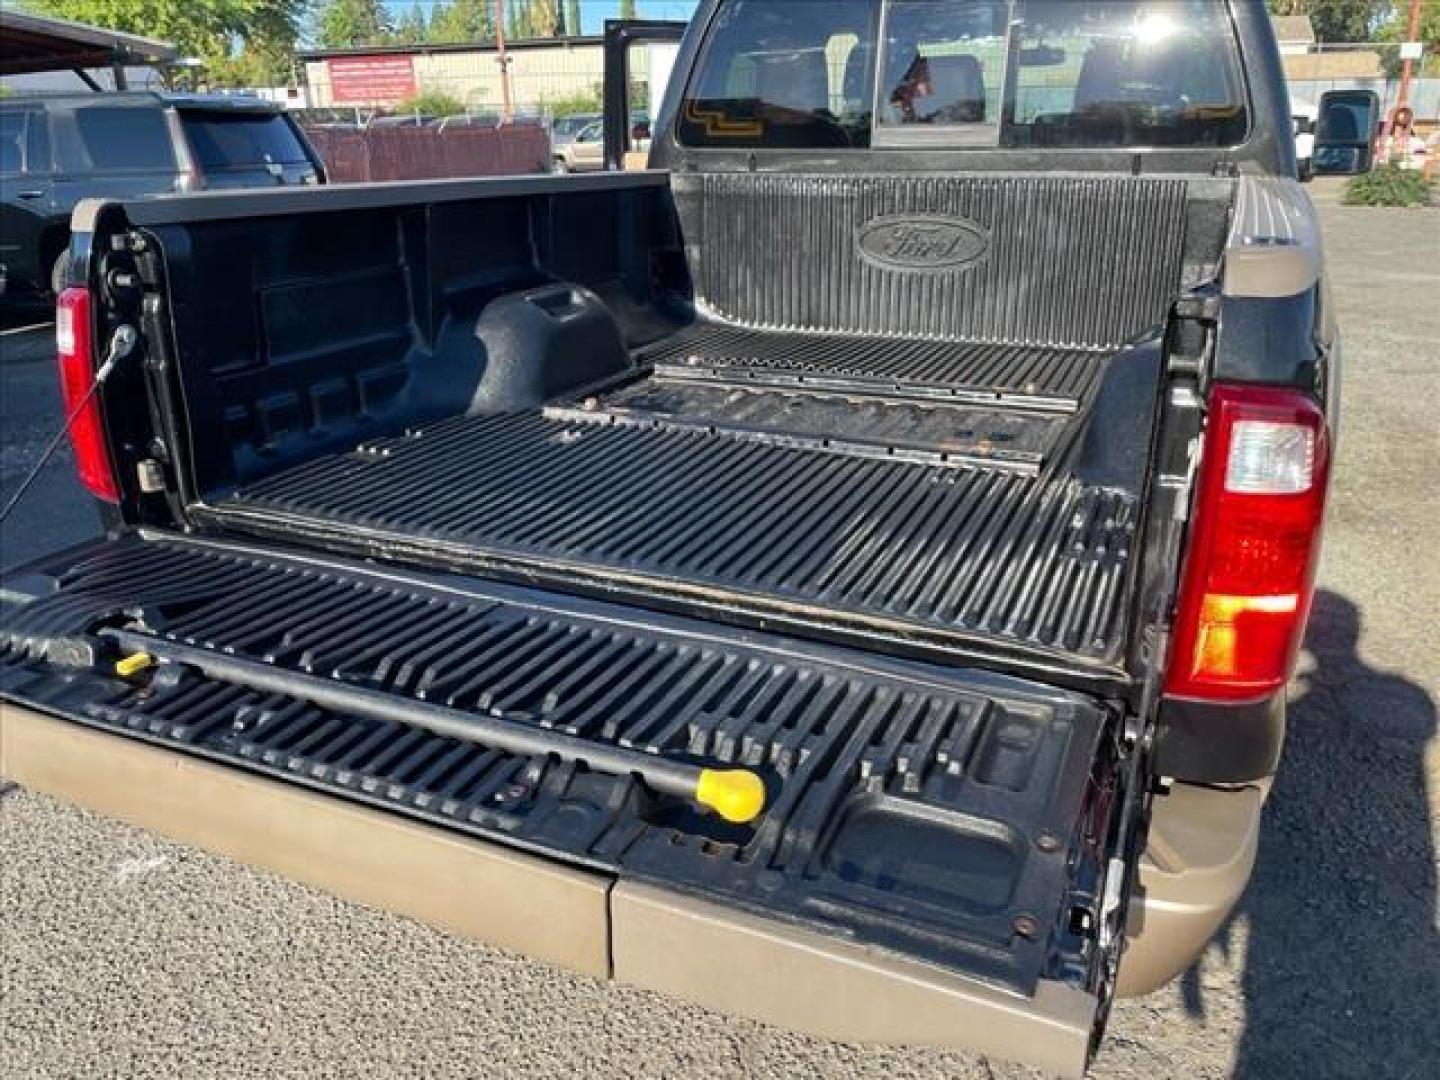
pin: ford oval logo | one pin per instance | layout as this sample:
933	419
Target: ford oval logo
922	242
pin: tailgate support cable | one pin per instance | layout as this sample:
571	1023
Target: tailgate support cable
737	795
122	344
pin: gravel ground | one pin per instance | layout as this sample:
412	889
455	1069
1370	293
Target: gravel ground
125	955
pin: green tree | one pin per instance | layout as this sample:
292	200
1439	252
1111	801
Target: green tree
252	40
413	29
1397	26
437	28
573	25
544	17
1396	29
520	24
1336	20
463	20
344	24
258	62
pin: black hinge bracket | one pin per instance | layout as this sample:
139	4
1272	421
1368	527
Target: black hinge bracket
1192	331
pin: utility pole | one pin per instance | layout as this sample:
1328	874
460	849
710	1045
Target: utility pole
1406	65
503	60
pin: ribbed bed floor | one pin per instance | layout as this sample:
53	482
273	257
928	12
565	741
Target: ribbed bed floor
1055	378
883	546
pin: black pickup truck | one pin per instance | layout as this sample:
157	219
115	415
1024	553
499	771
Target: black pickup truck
847	575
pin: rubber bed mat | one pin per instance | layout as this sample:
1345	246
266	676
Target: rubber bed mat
956	818
941	556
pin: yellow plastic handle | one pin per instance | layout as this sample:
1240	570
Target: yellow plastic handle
133	664
737	795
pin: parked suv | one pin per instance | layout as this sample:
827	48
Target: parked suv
55	151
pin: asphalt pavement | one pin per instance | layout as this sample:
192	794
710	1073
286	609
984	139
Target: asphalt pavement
55	511
126	955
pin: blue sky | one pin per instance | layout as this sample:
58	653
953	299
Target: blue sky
592	12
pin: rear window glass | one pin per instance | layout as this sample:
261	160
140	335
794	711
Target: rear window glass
784	73
220	142
1125	73
945	66
12	141
1014	73
1347	118
120	138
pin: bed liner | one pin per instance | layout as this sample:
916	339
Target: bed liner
899	550
956	819
1046	376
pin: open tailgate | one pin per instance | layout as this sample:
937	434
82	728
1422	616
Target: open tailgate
928	869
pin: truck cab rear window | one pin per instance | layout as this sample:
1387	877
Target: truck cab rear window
798	74
784	74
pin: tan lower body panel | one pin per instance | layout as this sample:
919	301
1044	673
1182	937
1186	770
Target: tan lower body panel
1198	857
482	891
704	953
748	966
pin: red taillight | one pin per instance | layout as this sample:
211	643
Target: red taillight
74	346
1250	568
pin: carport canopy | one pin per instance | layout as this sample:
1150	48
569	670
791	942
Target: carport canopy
31	43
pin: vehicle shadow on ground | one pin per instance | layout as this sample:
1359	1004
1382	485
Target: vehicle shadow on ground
1341	956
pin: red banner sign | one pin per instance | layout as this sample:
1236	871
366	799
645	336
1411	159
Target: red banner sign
371	80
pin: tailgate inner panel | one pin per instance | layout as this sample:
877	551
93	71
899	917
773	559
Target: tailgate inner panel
949	816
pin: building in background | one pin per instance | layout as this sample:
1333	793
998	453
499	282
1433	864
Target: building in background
544	73
1295	33
1313	67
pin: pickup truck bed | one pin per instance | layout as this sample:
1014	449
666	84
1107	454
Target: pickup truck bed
768	451
801	562
525	450
887	512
